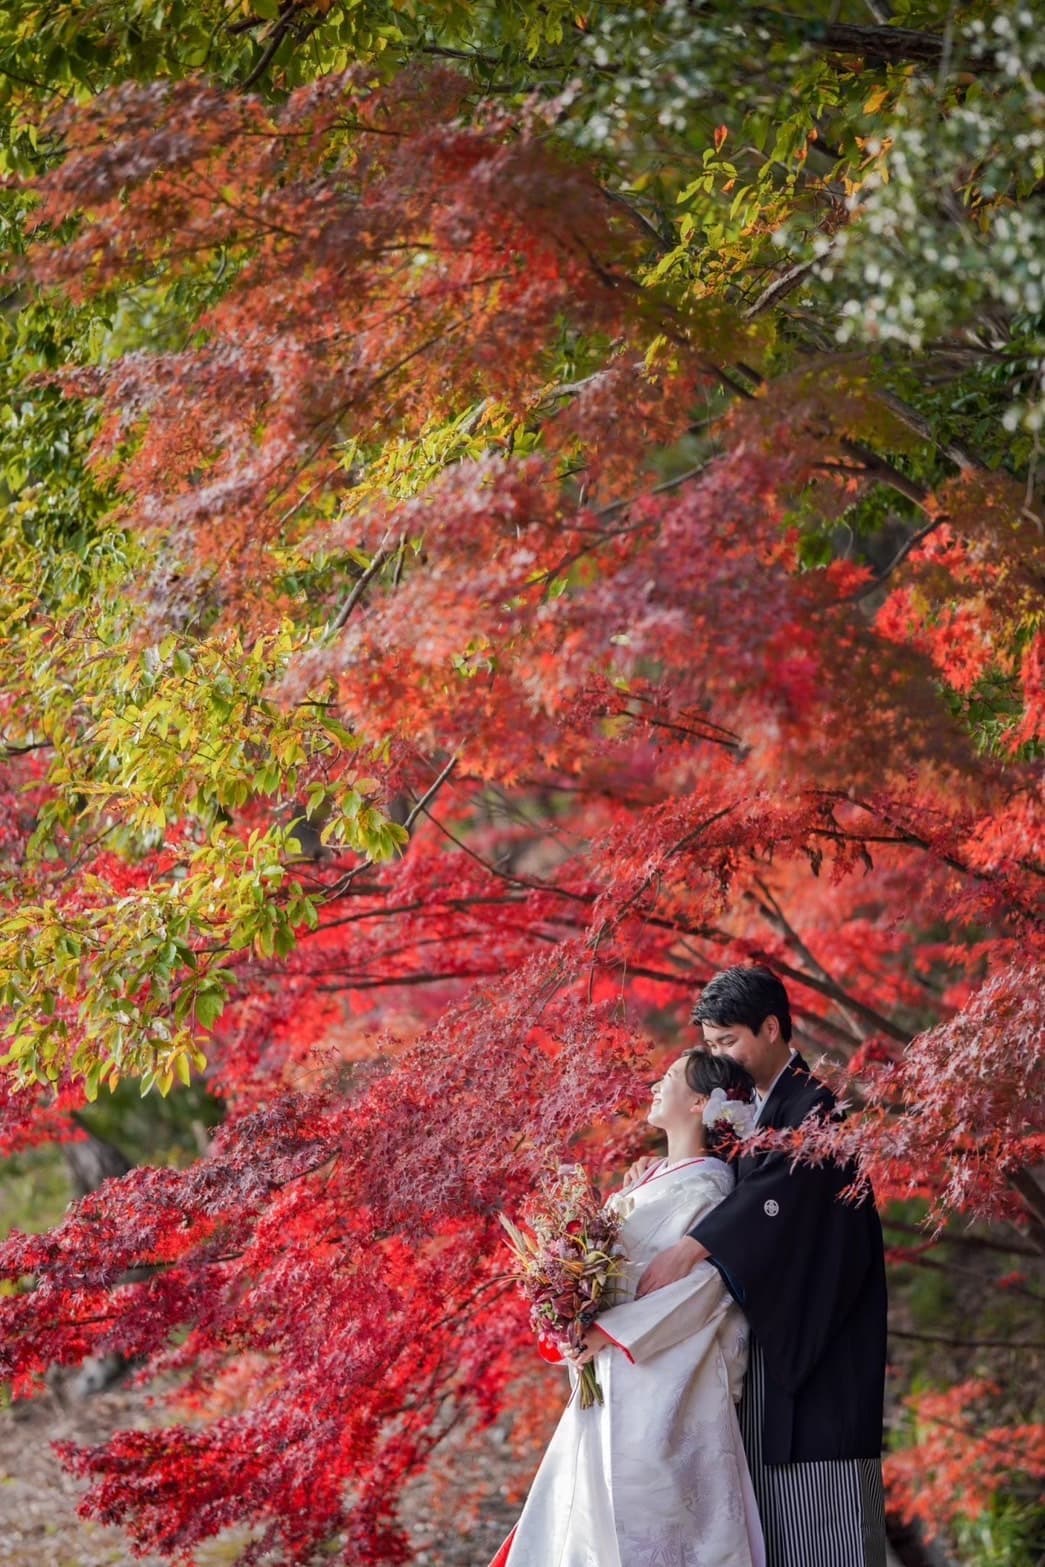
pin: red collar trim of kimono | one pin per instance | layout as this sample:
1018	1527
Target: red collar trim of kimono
659	1170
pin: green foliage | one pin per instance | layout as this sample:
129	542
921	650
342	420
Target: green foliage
75	50
989	711
181	732
158	1130
815	251
1008	1534
34	1190
750	152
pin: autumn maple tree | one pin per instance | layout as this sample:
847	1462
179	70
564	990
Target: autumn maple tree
507	511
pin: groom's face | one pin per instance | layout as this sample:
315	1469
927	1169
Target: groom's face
758	1052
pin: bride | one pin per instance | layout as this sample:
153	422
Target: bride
656	1475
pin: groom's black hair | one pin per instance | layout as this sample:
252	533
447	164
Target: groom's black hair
745	996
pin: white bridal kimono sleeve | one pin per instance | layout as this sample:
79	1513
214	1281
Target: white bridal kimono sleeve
656	1475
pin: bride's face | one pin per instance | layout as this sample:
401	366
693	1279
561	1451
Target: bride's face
673	1101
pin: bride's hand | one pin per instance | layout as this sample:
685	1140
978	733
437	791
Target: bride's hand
594	1340
636	1171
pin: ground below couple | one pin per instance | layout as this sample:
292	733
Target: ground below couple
743	1366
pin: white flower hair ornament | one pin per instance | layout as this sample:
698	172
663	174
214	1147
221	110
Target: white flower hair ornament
721	1111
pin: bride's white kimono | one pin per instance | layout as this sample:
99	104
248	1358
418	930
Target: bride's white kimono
656	1476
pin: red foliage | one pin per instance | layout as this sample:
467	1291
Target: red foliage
963	1110
959	1460
674	749
345	1246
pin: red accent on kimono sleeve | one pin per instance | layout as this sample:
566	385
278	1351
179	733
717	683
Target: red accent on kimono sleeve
617	1343
501	1559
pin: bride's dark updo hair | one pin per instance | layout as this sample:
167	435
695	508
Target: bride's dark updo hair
706	1072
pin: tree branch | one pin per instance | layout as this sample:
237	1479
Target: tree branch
879	1022
908	1257
883	45
279	32
638	218
359	588
1033	1196
433	789
771	911
950	1238
968	1343
780	287
886	572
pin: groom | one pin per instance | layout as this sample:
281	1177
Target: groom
808	1269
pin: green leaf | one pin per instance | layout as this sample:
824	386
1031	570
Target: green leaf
209	1006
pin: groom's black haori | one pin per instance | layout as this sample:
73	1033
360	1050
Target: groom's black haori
807	1266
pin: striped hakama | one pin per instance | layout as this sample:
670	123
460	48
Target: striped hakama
828	1513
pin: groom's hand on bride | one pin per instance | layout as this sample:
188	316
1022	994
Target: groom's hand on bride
669	1266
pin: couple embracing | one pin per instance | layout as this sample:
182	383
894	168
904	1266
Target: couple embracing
743	1371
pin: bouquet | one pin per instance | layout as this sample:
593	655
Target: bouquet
566	1268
